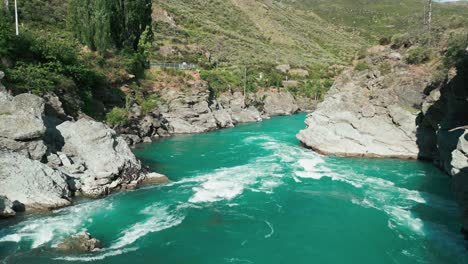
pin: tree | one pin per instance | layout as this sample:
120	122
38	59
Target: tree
104	24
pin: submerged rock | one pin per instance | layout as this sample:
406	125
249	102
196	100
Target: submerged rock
80	243
156	178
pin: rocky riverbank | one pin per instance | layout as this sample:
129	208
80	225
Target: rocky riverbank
193	109
393	109
45	159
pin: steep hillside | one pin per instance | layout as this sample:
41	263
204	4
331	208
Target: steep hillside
375	19
241	31
298	32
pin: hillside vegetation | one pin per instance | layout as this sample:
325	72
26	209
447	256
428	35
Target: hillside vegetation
235	43
297	32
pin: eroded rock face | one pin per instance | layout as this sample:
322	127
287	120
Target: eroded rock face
104	160
32	183
80	243
370	113
192	109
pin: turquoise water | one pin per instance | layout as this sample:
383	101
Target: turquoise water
252	194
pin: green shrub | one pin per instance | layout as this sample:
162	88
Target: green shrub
149	103
456	51
118	116
401	40
385	41
418	55
361	66
35	78
221	80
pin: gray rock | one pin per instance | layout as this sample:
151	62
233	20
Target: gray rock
31	183
368	114
6	208
156	178
105	155
34	149
131	139
53	160
223	118
64	159
21	117
79	243
278	103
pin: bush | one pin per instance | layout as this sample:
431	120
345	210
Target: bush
456	51
401	40
361	66
418	55
117	117
384	41
149	103
221	80
35	78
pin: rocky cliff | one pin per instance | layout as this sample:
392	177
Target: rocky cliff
46	160
391	109
371	112
193	109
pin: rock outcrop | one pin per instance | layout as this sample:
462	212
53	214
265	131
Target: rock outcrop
6	208
79	243
45	159
194	110
100	160
370	113
395	110
32	183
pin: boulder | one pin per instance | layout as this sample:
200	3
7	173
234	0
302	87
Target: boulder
31	183
278	103
80	243
106	156
6	208
156	178
21	117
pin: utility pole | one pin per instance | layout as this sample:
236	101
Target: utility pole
16	18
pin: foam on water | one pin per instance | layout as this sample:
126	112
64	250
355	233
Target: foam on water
160	219
94	257
53	228
228	183
277	163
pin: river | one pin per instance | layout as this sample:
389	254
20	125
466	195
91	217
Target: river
252	194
